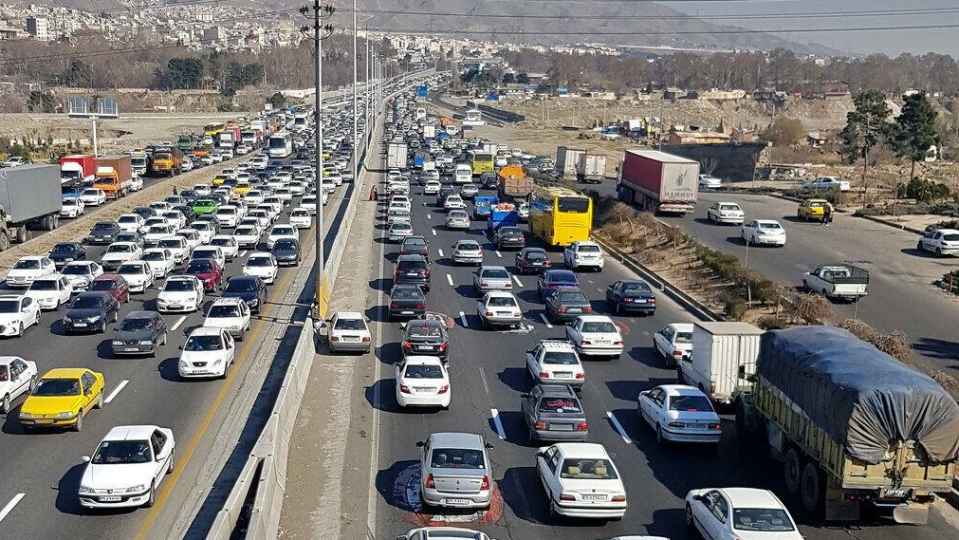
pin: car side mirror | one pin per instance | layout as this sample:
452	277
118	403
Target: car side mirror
524	396
86	459
180	347
420	444
697	497
488	446
403	537
742	372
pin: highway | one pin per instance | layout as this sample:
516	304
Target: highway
42	470
488	376
901	294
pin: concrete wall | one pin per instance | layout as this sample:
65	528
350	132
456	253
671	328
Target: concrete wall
730	162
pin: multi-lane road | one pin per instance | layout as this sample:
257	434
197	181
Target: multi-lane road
488	377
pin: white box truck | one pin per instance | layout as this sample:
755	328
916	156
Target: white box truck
723	358
591	168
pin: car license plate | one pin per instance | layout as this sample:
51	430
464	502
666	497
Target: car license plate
896	493
112	498
602	342
563	375
697	426
426	347
593	497
457	502
351	338
574	310
561	427
175	306
45	421
80	325
130	349
503	314
406	313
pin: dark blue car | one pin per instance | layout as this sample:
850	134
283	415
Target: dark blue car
551	280
250	288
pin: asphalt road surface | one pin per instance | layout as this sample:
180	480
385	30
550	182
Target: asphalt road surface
488	376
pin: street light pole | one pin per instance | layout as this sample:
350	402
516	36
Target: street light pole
356	111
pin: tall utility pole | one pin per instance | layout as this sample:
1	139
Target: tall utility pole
320	32
356	111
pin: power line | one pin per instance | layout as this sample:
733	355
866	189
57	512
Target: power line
667	33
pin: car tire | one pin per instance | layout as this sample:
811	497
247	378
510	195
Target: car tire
172	464
690	523
938	252
78	425
619	309
152	499
99	403
5	404
660	440
20	330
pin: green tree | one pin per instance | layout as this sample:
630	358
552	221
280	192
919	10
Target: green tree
77	75
42	102
866	128
509	78
522	78
785	131
185	73
915	130
277	100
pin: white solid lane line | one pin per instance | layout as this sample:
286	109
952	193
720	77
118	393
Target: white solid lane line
619	427
449	278
463	320
429	216
434	232
241	254
116	391
545	320
10	505
498	423
518	282
178	322
483	377
440	251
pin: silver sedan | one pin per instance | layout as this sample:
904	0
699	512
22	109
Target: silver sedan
492	278
467	252
458	219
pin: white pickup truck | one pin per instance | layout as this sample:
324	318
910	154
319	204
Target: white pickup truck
837	281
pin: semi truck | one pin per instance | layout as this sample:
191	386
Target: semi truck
591	168
29	196
658	182
76	170
567	160
167	160
225	139
114	175
853	426
140	161
396	155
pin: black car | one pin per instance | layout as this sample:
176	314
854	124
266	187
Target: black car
444	192
144	211
91	311
189	195
286	251
187	212
488	180
104	232
509	237
415	245
412	269
250	288
426	337
567	304
407	301
532	261
553	413
67	252
140	332
631	295
136	238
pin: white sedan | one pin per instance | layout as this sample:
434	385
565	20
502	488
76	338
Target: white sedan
127	468
680	413
71	208
17	313
93	197
263	265
726	212
300	218
499	308
160	260
763	232
207	353
180	294
454	202
210	252
555	362
422	381
246	236
595	335
731	513
139	274
231	314
281	231
581	481
674	342
827	183
308	203
348	331
50	292
29	268
118	253
228	244
82	273
17	378
432	187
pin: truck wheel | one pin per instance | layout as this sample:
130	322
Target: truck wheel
4	241
792	471
811	492
56	221
21	235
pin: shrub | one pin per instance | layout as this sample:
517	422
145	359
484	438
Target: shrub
772	323
734	308
894	344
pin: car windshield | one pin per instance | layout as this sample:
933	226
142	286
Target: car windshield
411	265
27	264
562	277
587	469
89	302
103	227
135	325
457	458
950	237
589	249
128	219
407	294
423	332
241	285
44	285
57	388
203	343
467	246
763	225
200	265
205	254
535	256
560	358
428	371
224	311
259	261
415	242
575	297
495	274
683	337
77	270
119	452
179	285
62	249
283	231
119	248
222	242
690	404
9	306
598	327
731	207
4	374
171	243
244	231
131	269
501	301
761	519
636	289
283	245
559	405
154	256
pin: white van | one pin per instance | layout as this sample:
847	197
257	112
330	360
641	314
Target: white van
723	358
463	174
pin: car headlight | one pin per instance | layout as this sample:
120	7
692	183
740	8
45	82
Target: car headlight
66	416
86	490
117	343
26	416
67	320
136	489
146	343
218	361
93	319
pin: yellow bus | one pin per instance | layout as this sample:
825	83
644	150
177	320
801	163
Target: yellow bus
560	216
482	162
213	129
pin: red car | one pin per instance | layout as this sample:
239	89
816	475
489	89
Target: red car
114	284
207	271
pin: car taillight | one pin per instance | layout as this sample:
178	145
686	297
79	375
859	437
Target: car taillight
430	483
712	388
540	425
567	497
677	353
619	498
582	426
852	497
442	346
394	305
676	424
583	343
509	285
543	374
485	485
650	300
366	339
444	389
407	346
923	499
581	375
420	306
560	309
618	343
426	273
405	389
588	309
715	426
552	287
489	313
334	338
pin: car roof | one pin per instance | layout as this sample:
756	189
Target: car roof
32	257
595	318
349	315
457	440
423	360
492	267
682	327
583	450
64	373
141	314
227	300
556	344
11	296
410	257
500	294
766	221
206	331
751	498
49	277
557	390
681	390
946	231
130	433
107	277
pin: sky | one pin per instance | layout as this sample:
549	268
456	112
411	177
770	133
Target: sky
842	16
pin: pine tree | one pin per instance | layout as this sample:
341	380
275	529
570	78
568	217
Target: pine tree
915	130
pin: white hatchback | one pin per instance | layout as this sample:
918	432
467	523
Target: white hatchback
180	294
207	353
51	291
231	314
263	265
127	468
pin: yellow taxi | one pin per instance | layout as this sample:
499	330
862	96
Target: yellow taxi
241	188
219	179
61	398
811	209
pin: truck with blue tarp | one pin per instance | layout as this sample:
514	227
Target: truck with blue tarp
419	159
501	215
481	206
